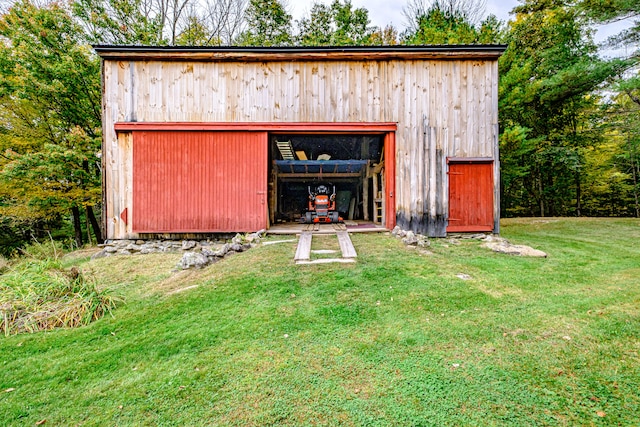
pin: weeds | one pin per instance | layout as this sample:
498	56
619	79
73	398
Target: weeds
40	294
4	264
50	249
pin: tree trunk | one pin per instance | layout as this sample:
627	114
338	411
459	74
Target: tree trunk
77	225
94	225
578	195
540	190
635	179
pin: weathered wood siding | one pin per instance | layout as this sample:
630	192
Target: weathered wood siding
444	108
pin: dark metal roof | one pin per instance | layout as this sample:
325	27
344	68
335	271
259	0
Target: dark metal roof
236	53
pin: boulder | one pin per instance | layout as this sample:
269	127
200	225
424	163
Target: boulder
132	247
503	246
423	241
193	260
253	238
224	249
236	247
410	239
188	244
208	252
238	239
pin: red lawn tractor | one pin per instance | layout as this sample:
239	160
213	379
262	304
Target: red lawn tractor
322	206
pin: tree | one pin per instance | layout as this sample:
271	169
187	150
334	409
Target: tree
549	73
442	23
470	11
121	21
339	24
50	108
612	11
225	20
268	24
162	22
195	33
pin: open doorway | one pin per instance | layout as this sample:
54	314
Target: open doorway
352	165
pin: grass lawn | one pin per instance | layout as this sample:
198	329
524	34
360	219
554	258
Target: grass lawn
394	339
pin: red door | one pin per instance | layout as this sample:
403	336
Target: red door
470	196
199	182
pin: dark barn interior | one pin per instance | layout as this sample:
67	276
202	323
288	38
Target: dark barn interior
347	162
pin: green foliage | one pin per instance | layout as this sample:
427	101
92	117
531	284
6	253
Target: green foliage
268	24
339	24
47	183
119	22
549	73
613	11
195	33
612	169
50	101
441	25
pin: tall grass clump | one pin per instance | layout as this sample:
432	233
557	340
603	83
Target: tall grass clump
49	249
37	293
4	264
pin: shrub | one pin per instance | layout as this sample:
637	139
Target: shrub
40	295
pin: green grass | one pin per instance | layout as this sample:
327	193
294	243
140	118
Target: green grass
394	339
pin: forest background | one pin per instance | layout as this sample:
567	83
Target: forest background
569	115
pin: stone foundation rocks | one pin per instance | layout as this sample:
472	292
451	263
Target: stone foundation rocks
196	254
495	243
409	238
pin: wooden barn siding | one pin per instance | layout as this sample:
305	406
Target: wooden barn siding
444	108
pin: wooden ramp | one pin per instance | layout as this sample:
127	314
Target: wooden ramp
346	245
303	252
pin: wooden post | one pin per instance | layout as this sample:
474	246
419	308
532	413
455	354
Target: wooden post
383	199
273	206
365	193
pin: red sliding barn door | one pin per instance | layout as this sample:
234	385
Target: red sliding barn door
470	196
199	182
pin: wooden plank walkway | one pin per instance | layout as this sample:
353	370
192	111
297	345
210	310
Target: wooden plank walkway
328	261
346	245
303	251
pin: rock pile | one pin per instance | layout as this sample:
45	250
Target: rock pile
410	238
196	254
495	243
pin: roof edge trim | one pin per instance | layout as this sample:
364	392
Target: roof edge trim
232	53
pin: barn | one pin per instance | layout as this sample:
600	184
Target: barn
200	140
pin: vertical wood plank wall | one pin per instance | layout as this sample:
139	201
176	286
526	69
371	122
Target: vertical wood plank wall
444	108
